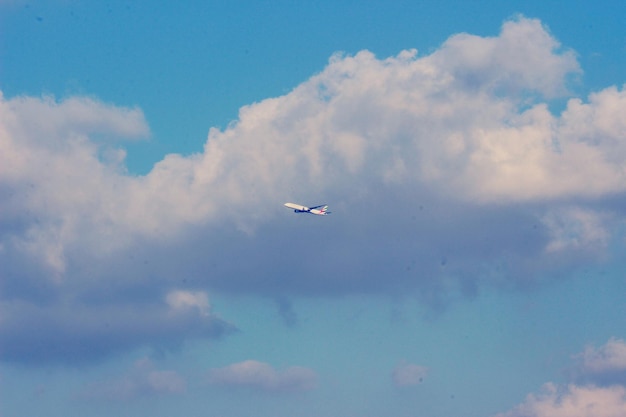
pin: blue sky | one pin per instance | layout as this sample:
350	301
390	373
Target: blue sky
472	155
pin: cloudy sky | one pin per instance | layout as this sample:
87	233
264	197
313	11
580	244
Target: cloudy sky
472	154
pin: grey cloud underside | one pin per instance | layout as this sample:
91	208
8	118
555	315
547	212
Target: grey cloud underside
65	333
444	173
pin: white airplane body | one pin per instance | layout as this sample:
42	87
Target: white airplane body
318	210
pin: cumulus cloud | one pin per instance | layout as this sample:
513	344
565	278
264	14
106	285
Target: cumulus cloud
142	380
59	183
521	58
598	388
262	376
573	401
608	357
455	155
407	374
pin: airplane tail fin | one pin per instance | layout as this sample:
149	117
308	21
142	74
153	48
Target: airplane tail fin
324	210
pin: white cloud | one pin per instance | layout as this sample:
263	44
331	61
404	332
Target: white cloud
521	58
605	365
573	401
261	376
600	389
180	300
451	120
611	356
576	229
142	380
56	189
407	374
73	117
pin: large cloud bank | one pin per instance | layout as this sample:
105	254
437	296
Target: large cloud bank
444	172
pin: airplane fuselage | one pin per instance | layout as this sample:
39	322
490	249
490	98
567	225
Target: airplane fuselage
298	208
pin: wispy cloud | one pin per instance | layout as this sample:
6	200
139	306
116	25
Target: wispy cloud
142	380
262	376
408	374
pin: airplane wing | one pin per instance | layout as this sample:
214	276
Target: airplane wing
319	210
297	207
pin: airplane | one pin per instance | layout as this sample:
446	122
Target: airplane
319	210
